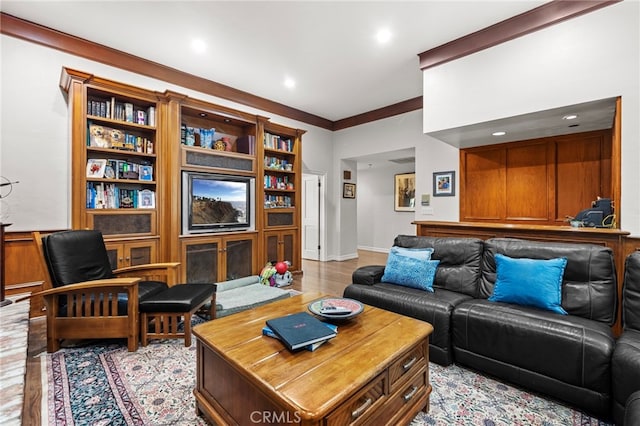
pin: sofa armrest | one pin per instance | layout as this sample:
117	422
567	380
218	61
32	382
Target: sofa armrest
368	275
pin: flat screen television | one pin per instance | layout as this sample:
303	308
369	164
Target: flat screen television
216	202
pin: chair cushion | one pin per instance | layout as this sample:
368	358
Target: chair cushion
179	298
76	256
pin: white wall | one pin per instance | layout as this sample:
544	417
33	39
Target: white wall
591	57
378	222
390	134
35	148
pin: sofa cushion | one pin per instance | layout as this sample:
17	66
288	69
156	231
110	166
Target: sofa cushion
631	293
589	281
409	271
565	356
625	370
530	282
434	308
460	260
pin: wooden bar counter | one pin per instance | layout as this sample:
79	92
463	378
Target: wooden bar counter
612	238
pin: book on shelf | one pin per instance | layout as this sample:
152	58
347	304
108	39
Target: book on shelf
128	112
246	144
312	347
299	330
112	196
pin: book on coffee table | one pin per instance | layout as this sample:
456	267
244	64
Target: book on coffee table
299	330
312	347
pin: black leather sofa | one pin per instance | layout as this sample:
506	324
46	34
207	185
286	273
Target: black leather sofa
625	363
567	357
456	281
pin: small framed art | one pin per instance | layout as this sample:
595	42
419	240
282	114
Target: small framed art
348	190
404	194
444	184
95	167
146	173
147	199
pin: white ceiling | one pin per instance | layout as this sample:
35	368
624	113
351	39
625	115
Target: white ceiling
328	47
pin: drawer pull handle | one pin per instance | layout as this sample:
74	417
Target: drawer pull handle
407	365
407	397
361	409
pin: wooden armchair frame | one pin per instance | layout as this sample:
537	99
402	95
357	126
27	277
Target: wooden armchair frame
93	305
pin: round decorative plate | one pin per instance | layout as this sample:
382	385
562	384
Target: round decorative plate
352	306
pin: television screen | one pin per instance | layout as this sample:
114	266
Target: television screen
216	202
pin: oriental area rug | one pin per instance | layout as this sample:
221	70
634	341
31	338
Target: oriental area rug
104	384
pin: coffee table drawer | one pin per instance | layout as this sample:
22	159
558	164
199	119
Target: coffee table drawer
406	367
412	393
359	407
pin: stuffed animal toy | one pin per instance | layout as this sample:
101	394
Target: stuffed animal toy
276	274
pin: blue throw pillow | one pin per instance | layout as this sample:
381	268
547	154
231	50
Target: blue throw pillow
416	253
409	271
530	282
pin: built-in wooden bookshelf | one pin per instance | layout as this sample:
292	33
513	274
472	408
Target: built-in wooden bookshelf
281	172
134	149
114	145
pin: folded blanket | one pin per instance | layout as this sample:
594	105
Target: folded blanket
247	297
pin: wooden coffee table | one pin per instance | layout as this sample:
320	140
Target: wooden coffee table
376	371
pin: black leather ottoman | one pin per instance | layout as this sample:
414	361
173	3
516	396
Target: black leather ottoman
161	313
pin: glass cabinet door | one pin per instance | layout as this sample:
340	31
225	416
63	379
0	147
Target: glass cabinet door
202	262
239	258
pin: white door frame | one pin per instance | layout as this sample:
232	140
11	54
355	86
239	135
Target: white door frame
322	239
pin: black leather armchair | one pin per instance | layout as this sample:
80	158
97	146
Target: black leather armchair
84	298
625	363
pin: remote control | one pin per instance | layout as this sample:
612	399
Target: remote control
334	310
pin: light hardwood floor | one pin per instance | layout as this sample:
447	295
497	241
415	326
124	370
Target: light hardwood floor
325	277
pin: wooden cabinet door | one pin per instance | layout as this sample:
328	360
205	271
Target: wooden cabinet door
282	245
238	257
122	254
201	260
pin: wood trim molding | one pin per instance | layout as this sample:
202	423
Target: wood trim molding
546	15
533	20
29	31
378	114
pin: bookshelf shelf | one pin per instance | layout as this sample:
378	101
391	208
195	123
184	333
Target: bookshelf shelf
115	167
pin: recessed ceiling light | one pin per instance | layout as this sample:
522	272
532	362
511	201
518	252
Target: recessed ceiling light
570	117
383	36
203	114
198	45
289	82
501	133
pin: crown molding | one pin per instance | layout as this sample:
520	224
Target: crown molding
44	36
543	16
533	20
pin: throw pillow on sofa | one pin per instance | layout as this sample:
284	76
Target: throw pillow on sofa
416	253
530	282
410	270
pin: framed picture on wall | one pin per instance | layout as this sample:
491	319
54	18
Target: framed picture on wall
404	194
348	190
444	184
